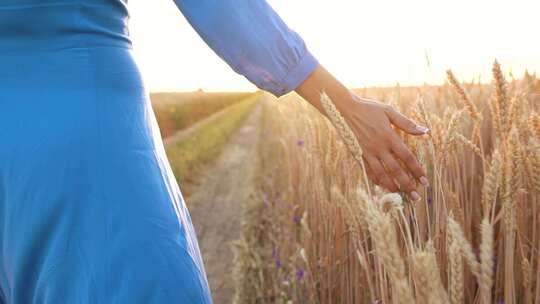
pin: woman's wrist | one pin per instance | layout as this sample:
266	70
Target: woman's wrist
321	80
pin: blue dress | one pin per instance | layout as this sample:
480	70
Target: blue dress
90	211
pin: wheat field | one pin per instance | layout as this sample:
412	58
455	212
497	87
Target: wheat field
317	231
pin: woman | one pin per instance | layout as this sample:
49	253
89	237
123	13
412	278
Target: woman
90	210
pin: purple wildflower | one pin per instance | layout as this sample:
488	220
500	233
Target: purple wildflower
297	219
299	274
429	195
275	255
300	142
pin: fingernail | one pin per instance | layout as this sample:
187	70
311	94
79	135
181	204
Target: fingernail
415	196
424	181
422	129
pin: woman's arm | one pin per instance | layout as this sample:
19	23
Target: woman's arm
371	121
256	43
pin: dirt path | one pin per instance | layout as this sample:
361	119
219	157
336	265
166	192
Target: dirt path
216	205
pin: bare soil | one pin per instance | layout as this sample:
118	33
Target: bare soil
216	204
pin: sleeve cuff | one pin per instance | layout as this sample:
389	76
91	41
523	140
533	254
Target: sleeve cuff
297	74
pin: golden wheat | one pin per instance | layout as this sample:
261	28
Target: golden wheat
476	239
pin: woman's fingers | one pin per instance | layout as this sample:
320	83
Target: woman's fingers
408	158
383	178
401	121
405	182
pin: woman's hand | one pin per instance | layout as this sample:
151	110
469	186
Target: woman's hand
383	150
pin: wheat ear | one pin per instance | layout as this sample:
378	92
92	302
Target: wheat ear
471	108
345	132
383	234
466	249
427	272
501	99
456	273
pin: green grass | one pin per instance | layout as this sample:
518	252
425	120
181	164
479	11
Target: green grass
188	156
176	111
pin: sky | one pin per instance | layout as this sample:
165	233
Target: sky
363	43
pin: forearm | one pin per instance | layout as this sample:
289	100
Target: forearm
321	80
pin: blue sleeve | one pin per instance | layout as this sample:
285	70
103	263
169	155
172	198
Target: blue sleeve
254	41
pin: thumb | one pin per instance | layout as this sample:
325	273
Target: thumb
401	121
